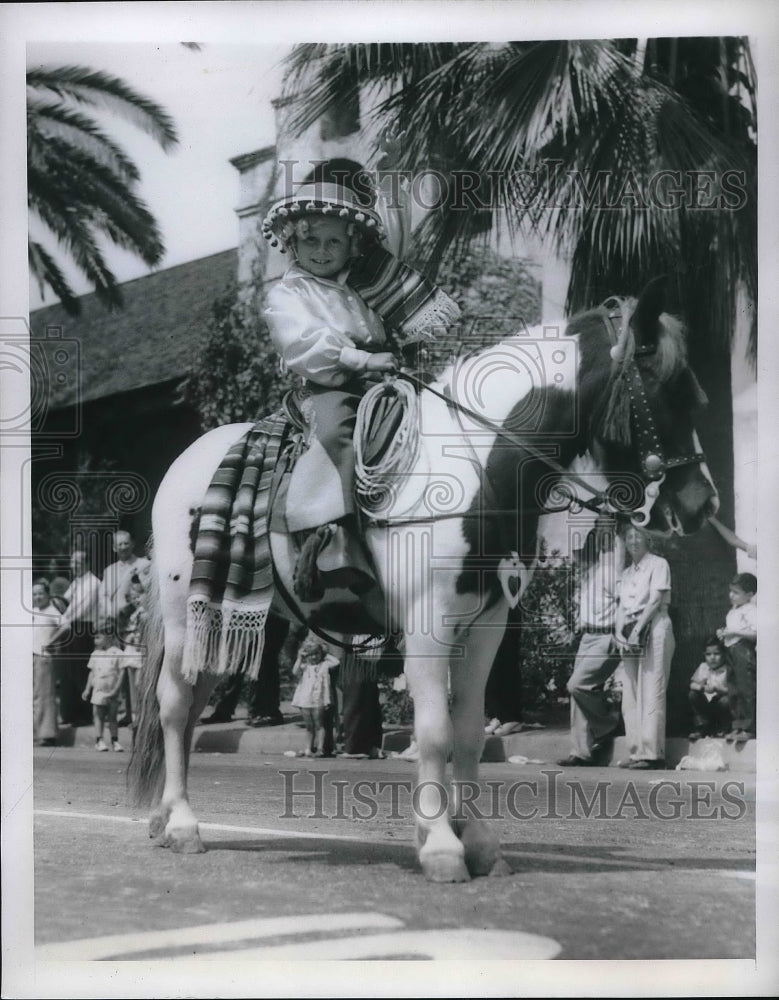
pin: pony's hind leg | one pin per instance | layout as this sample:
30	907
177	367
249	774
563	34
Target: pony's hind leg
180	704
469	677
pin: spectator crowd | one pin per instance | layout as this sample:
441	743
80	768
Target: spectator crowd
88	649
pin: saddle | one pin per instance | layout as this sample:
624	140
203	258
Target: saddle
335	583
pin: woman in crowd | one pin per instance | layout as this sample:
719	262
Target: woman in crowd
646	642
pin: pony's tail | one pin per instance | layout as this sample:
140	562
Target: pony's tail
146	769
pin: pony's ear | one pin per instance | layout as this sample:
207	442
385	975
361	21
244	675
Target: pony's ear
644	320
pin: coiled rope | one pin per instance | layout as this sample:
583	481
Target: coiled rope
380	463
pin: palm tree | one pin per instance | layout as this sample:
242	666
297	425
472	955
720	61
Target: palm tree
81	184
539	125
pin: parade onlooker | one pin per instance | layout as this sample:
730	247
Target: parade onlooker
645	637
106	672
58	586
73	642
740	638
594	716
710	693
45	622
117	575
314	694
361	716
131	625
264	694
503	692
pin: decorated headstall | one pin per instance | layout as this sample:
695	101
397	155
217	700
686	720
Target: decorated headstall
628	407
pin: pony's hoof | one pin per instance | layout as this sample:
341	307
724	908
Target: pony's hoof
156	827
184	842
441	867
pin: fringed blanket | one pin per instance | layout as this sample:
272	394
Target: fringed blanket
231	587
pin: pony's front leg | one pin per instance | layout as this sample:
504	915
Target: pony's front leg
180	706
470	668
441	854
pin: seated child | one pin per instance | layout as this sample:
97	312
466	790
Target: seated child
740	638
104	683
710	693
336	317
313	695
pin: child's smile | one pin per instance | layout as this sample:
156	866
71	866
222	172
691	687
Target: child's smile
323	247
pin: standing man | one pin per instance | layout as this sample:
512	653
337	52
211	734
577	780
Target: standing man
117	576
73	642
593	717
113	597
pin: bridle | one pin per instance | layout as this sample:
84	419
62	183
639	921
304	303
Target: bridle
654	462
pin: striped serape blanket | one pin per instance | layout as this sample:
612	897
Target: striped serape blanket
408	303
231	587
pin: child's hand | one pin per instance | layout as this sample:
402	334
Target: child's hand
381	362
85	695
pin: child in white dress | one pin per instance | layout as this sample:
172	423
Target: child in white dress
313	695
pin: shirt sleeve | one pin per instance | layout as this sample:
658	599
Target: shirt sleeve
700	675
749	619
660	578
309	345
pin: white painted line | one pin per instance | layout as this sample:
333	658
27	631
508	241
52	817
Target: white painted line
227	828
123	946
636	864
435	945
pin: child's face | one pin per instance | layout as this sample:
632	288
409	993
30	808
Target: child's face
738	596
714	657
136	596
40	597
323	246
314	655
102	641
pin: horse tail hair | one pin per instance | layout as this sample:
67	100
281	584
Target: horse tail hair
146	769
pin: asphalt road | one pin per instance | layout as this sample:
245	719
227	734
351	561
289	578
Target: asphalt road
317	841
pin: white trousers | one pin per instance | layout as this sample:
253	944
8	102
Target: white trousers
645	679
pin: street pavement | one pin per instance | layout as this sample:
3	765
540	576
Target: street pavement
314	859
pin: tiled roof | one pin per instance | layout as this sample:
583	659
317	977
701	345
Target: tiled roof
152	339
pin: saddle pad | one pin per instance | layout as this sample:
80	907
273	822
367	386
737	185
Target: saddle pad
231	586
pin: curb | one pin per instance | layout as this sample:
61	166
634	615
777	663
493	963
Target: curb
542	745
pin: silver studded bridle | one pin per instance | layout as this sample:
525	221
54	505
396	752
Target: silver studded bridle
654	462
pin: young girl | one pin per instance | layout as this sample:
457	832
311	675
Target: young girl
106	673
740	638
336	317
313	695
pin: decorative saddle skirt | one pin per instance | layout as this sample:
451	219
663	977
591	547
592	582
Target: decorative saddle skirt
233	581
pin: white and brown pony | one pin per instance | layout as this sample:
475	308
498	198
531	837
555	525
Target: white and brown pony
455	541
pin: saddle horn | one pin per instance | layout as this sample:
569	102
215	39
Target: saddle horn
644	320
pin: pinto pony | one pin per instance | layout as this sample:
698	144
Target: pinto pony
455	541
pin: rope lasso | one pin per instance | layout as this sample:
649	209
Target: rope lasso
401	453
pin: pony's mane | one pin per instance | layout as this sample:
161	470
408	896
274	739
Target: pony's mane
610	411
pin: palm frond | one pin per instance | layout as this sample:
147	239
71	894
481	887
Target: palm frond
47	121
86	86
47	273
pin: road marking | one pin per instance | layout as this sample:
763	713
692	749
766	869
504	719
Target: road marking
123	946
437	945
635	864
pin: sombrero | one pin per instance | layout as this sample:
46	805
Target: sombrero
319	198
